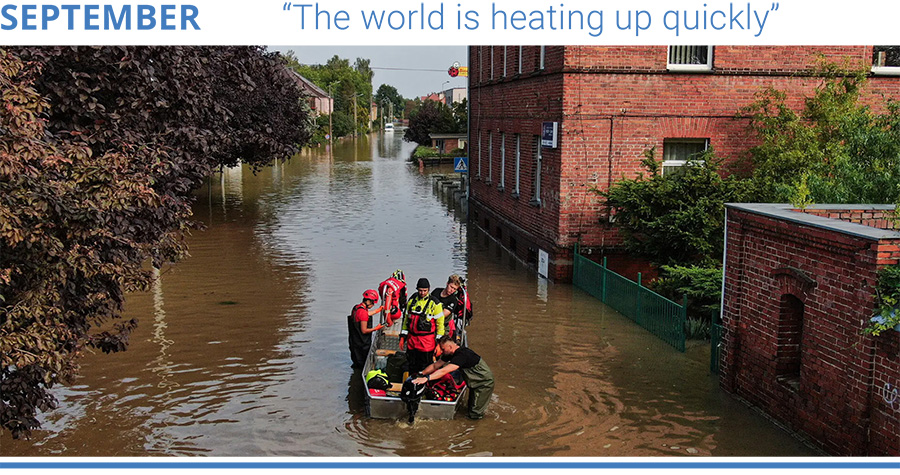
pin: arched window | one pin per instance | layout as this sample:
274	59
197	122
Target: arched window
790	340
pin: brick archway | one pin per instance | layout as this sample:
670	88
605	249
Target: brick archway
793	281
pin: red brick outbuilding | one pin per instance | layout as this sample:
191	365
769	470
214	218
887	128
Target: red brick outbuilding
798	291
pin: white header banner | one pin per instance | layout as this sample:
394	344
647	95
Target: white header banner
455	22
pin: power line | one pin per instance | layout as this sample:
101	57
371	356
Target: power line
409	69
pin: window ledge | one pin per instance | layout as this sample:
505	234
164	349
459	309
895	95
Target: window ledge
791	382
514	195
886	70
500	188
689	68
535	203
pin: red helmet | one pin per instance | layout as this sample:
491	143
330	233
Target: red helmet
370	295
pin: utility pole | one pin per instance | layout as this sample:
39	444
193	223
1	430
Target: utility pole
330	127
355	118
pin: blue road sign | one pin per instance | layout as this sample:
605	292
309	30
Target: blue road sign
461	164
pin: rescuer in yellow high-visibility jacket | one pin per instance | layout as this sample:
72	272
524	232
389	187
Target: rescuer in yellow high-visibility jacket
423	323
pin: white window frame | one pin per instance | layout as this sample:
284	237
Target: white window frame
492	63
884	70
520	59
681	163
502	185
505	54
543	53
689	67
479	154
490	156
518	162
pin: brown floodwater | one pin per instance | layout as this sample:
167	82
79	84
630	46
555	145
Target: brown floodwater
242	348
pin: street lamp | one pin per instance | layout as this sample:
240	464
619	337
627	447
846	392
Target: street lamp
442	91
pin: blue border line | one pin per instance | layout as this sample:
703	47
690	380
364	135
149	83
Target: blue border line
450	464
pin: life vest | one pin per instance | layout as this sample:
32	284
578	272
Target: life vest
419	323
398	290
422	329
359	342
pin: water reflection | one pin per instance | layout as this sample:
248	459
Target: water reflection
242	348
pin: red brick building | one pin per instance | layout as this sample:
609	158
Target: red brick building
611	104
798	291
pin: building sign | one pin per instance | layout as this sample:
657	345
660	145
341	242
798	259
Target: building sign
549	133
543	263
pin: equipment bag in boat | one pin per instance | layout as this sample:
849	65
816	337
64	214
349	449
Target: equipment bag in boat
396	366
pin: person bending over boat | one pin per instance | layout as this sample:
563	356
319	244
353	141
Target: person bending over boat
393	290
449	303
476	372
422	322
359	326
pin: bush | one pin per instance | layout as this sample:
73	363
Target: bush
702	285
887	300
425	152
678	218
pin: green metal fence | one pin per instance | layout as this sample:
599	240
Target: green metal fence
655	313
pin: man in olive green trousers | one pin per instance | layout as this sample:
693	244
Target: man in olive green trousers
475	371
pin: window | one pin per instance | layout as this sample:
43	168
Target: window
520	59
690	58
678	152
886	60
518	161
479	155
502	162
536	199
543	52
492	64
505	55
789	356
490	156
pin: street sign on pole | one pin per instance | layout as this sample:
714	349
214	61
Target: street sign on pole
461	164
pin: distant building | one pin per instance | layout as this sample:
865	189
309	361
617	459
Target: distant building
609	105
454	95
320	101
447	142
799	288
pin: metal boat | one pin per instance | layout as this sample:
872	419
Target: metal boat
385	342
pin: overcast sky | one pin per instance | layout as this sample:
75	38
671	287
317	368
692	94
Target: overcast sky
406	63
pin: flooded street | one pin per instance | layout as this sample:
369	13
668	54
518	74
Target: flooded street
242	348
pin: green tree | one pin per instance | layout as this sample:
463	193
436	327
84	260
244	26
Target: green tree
429	118
100	152
675	218
388	94
834	150
350	87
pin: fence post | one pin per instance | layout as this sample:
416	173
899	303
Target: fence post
575	266
640	314
603	282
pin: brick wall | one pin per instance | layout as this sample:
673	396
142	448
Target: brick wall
612	104
825	380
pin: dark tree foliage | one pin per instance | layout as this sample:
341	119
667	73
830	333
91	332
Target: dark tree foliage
678	218
389	94
100	149
431	117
